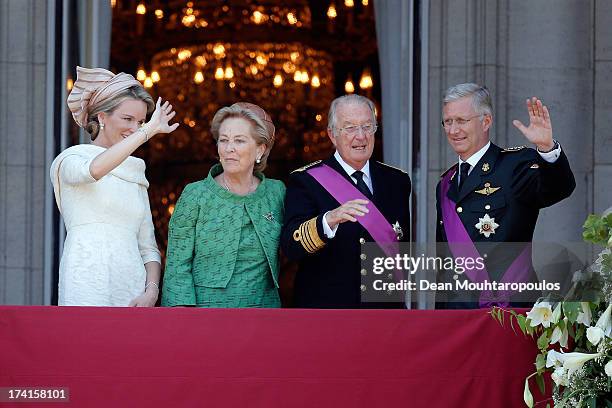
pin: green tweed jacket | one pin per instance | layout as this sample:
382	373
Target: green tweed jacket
204	235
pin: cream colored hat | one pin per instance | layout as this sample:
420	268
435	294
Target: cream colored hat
94	86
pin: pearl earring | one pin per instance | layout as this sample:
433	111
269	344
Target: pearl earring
102	126
258	160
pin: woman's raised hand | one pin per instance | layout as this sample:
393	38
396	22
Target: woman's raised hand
159	120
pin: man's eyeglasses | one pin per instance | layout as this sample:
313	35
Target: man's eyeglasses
447	123
352	130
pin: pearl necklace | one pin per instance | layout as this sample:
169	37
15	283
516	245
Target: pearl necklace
227	187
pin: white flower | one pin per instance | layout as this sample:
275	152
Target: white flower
608	368
559	335
540	313
595	334
559	376
553	359
605	321
585	317
573	362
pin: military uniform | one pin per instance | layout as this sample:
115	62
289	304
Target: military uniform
500	201
329	269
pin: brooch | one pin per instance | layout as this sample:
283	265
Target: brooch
487	190
398	230
486	225
269	216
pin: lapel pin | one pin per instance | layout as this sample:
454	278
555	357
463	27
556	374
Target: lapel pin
486	167
487	190
269	216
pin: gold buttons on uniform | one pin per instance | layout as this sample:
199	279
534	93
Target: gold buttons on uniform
362	241
363	257
364	272
459	209
487	207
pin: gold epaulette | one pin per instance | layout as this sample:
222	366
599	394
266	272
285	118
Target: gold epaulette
447	170
513	149
393	167
306	167
307	235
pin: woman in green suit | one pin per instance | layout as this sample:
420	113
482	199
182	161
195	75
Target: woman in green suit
224	233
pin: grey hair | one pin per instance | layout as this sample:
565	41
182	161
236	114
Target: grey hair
350	99
481	97
136	92
260	133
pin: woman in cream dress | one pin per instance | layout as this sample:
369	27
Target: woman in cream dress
110	257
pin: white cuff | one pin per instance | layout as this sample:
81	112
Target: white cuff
553	155
326	228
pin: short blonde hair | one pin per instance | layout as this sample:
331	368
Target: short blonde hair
263	132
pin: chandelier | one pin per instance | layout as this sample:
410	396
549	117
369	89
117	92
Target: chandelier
203	55
293	82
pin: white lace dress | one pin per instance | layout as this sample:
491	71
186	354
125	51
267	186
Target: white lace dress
110	233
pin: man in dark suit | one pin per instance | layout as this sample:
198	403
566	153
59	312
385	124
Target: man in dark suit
493	195
325	231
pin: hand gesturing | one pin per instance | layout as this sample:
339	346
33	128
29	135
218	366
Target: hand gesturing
347	212
160	118
539	131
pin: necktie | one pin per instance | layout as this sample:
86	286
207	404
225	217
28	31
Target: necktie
361	185
463	173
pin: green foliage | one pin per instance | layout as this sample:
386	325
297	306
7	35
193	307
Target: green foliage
543	341
571	310
597	229
522	322
540	362
540	382
589	386
580	331
606	262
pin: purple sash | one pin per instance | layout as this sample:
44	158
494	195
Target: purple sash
461	245
374	222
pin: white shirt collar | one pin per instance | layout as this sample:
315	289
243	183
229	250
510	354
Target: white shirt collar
349	170
475	158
